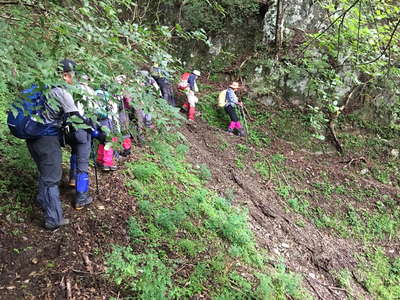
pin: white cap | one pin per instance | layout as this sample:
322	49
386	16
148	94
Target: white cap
196	72
120	79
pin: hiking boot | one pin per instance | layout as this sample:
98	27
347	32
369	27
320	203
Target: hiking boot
230	131
82	199
125	152
241	132
49	226
112	168
108	168
71	183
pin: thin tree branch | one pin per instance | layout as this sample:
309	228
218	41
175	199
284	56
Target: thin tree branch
4	3
10	18
358	30
9	3
386	47
329	26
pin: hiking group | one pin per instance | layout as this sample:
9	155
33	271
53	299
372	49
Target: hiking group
77	118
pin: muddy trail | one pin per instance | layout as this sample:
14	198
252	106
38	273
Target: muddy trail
69	263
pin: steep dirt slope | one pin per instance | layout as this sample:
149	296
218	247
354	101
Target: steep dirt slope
307	250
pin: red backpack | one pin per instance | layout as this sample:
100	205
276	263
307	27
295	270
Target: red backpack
183	84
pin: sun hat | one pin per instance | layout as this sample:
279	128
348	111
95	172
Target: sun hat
196	72
234	85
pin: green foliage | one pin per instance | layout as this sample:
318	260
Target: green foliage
263	169
191	248
222	62
204	172
134	230
214	14
344	278
242	148
145	172
352	64
15	157
144	274
211	113
98	38
183	226
287	283
381	275
299	205
239	163
366	224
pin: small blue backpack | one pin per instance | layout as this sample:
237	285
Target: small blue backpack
25	119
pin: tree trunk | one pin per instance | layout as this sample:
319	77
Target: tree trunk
278	28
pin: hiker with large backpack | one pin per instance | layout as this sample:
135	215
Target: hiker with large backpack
114	120
162	78
39	121
188	85
124	105
231	100
107	113
80	141
79	159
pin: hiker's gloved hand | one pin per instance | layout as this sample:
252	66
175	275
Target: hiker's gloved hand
98	134
94	133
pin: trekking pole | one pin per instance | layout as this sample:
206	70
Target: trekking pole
244	119
95	168
247	112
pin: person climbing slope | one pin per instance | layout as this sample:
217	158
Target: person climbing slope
107	117
231	100
83	101
162	78
189	86
46	149
79	140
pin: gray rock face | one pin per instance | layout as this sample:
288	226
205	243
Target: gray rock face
303	15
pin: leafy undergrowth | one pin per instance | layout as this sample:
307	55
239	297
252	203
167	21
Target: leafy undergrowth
187	241
16	170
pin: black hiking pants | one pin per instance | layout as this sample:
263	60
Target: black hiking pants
166	91
46	152
231	111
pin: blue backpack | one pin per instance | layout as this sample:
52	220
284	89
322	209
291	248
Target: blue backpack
26	120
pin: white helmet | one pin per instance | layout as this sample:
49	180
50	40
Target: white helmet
196	72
